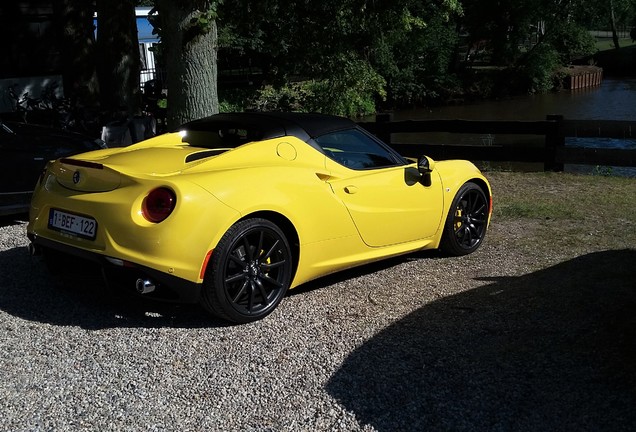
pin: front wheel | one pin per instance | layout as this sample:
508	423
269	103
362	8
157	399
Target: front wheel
250	272
467	220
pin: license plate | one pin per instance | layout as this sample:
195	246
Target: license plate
81	226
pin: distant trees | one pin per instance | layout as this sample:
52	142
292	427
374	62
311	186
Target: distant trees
347	57
532	37
75	34
118	55
103	71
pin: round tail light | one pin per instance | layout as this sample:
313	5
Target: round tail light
158	205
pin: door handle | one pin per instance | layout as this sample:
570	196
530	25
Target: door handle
350	189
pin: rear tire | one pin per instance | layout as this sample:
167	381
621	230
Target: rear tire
465	226
250	272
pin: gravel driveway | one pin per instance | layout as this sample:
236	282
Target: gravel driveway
498	340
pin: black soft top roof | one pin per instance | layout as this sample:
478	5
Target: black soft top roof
266	125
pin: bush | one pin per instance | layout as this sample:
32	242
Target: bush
351	89
540	70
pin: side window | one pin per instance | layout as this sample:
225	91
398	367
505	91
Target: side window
356	150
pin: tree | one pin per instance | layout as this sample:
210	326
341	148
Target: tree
612	14
189	42
531	39
118	55
350	54
74	24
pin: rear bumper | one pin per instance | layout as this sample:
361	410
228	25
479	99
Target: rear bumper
168	287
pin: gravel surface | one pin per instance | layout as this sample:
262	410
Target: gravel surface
498	340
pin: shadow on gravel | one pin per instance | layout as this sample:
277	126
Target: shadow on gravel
28	291
551	350
8	220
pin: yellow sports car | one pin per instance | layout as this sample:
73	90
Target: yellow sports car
234	209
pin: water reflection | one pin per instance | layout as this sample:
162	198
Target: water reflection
615	99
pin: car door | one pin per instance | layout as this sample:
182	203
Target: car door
387	198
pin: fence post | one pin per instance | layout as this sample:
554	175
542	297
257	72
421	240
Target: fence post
554	143
382	122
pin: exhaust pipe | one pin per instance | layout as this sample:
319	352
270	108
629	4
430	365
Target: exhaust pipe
34	250
145	286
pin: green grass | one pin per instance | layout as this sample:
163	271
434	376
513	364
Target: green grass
567	210
603	44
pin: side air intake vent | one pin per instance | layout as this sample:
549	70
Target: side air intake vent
204	154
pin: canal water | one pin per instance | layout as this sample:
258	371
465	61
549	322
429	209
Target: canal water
615	99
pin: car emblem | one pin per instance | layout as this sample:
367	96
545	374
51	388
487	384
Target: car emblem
76	177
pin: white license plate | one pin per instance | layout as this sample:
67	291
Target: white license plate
81	226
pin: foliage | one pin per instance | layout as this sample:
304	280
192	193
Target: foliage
118	60
289	97
531	37
351	89
538	71
352	56
419	70
349	56
571	41
601	170
352	92
594	14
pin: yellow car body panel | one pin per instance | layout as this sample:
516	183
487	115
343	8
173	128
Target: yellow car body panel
334	216
123	233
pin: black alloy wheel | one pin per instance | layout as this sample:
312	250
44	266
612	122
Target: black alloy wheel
250	272
467	220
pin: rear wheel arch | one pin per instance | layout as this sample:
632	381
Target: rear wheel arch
287	227
249	272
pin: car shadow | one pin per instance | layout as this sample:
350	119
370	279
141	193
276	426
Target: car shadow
14	219
29	291
550	350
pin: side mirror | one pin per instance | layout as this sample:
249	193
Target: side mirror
425	165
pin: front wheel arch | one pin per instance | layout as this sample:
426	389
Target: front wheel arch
467	220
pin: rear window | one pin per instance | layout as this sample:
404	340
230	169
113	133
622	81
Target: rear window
226	137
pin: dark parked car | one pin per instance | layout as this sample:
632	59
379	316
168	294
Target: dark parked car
24	151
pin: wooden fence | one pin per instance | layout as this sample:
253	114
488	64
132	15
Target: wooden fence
553	153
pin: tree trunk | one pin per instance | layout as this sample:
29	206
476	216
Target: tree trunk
118	55
74	21
190	51
613	24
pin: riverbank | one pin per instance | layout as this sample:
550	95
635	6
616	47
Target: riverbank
616	63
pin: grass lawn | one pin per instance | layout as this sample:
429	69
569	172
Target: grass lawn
603	44
567	213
